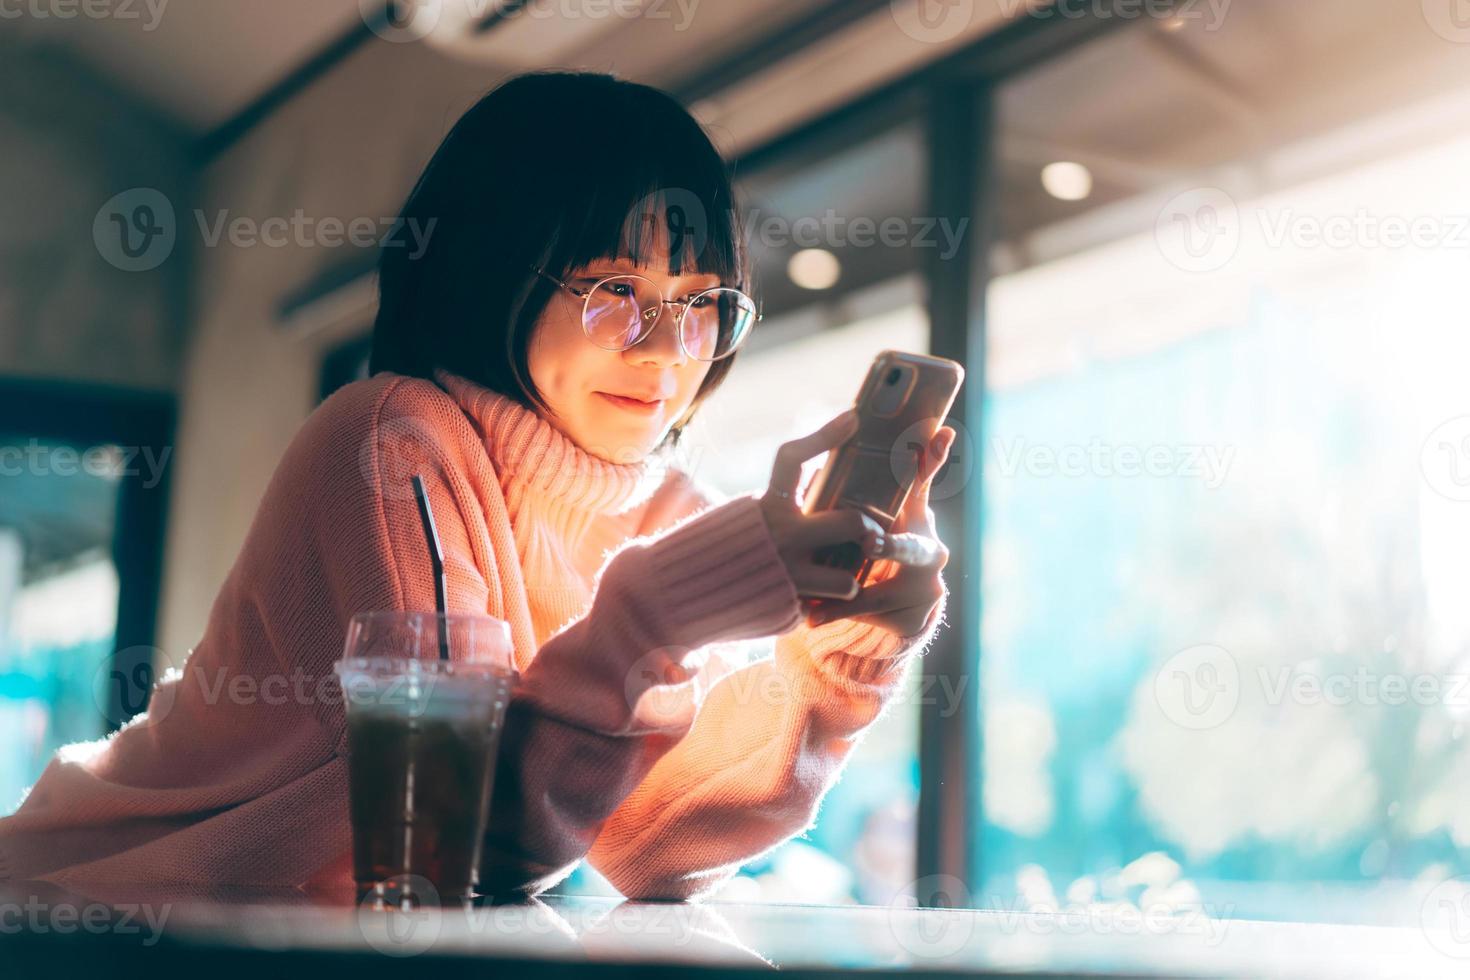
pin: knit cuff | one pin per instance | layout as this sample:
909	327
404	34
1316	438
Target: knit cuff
719	577
849	652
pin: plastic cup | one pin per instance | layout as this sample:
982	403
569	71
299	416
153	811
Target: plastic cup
423	735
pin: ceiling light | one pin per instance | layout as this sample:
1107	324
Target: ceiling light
1067	181
814	268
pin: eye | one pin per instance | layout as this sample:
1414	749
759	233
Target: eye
616	287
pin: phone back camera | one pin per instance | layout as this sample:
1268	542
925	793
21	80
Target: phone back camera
891	396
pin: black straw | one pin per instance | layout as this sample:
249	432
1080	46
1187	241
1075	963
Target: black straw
431	532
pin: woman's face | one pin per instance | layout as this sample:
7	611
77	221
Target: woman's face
575	376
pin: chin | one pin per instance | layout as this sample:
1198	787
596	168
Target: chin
619	444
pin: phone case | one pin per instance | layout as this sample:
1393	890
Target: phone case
875	469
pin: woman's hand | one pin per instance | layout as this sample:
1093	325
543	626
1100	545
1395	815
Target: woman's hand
902	600
798	536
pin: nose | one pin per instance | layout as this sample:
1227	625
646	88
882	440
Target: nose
661	346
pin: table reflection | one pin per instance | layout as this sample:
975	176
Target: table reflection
622	934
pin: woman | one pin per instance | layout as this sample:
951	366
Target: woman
516	397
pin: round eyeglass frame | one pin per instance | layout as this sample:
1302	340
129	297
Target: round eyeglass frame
681	307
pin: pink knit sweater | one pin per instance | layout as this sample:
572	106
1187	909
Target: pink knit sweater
607	574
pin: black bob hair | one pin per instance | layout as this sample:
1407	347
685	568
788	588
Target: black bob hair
557	170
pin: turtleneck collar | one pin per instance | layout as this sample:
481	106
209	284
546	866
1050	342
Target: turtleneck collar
534	458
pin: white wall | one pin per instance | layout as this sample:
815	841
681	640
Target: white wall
349	146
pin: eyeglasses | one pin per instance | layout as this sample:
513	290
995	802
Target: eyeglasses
621	311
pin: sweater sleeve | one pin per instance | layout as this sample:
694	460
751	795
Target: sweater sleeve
768	743
575	745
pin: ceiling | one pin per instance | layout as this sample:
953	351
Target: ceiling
203	62
200	61
1153	109
1143	109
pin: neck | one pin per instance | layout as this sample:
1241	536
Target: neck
541	468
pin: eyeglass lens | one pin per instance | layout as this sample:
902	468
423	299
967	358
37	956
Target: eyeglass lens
619	312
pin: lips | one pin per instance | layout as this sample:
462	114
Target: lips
648	399
633	403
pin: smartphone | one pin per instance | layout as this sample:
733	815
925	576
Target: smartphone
901	405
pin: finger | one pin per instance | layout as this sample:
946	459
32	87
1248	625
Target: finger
913	550
936	454
915	514
786	473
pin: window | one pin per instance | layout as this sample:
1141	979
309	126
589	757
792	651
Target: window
58	601
1227	466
